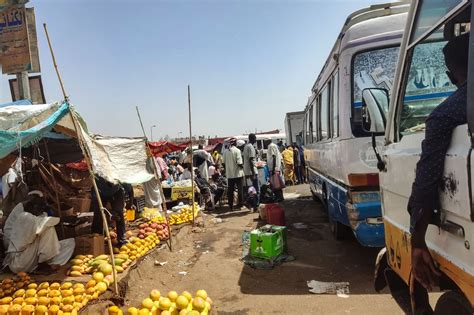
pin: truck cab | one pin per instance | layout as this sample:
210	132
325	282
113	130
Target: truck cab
421	84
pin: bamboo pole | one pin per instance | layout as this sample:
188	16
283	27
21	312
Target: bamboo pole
157	177
88	159
192	153
58	204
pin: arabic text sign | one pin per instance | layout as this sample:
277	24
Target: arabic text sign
14	48
178	193
32	40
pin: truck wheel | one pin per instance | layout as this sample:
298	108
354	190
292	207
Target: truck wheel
453	302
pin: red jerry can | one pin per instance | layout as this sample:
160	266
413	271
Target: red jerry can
275	214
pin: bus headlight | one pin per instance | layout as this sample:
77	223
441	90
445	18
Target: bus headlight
378	220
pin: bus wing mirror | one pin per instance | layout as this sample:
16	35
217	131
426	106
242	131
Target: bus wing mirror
374	109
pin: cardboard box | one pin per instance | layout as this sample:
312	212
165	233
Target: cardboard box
71	231
80	204
67	212
91	244
266	243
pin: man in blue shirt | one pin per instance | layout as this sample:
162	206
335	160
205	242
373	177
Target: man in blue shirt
424	201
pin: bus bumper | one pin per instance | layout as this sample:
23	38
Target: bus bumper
366	221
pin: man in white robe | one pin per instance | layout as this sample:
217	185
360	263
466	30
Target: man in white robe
204	160
30	238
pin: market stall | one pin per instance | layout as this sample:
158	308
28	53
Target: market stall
50	144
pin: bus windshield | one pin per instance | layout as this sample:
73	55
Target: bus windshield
427	85
374	68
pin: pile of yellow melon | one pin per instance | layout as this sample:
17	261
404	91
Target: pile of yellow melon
159	219
54	298
87	264
137	247
184	215
173	303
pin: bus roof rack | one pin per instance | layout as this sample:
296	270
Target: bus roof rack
371	12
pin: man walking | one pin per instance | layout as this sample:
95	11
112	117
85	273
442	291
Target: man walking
297	164
274	166
233	165
250	168
289	165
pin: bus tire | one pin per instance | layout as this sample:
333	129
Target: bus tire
453	302
325	199
337	229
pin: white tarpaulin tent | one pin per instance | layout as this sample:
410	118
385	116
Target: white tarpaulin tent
114	158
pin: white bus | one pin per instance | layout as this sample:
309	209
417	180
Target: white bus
341	165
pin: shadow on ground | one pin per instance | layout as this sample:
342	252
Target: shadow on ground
318	255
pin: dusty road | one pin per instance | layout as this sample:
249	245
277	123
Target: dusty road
210	256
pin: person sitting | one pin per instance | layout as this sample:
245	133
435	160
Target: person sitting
205	189
219	186
30	238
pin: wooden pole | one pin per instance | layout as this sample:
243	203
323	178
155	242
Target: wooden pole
55	64
58	204
191	148
88	159
157	177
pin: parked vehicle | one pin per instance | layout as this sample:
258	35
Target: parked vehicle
421	83
341	165
294	123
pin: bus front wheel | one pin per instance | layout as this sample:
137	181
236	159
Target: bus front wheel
338	230
453	302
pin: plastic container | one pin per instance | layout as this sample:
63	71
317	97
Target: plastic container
275	214
130	215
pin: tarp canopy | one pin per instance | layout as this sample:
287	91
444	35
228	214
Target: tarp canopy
116	159
161	148
22	125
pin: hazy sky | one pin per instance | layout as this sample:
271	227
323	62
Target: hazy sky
248	62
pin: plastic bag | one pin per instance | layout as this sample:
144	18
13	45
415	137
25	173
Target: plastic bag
276	183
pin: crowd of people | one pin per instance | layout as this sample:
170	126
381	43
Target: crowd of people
232	174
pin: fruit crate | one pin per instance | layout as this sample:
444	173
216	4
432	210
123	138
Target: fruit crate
266	242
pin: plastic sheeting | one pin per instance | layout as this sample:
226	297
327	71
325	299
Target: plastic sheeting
121	160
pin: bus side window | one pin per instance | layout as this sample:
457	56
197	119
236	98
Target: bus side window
316	118
335	105
311	126
324	111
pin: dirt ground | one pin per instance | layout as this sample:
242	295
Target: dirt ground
210	257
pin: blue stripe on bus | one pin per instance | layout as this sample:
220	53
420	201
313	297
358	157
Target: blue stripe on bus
416	97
